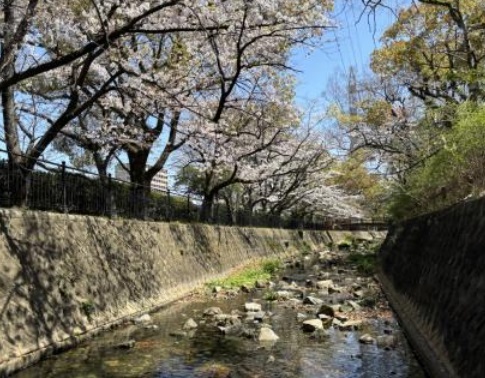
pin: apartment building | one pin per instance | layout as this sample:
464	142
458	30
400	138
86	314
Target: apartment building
159	181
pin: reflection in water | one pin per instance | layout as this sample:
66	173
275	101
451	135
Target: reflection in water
209	354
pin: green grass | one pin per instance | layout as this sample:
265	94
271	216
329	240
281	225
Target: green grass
365	263
270	296
305	248
249	275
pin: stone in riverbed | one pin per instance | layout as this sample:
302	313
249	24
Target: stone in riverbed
326	310
312	325
178	334
226	319
252	317
260	284
366	339
189	324
386	341
217	289
310	300
326	284
354	305
283	295
252	307
144	319
267	334
341	316
358	294
232	330
326	320
300	316
212	311
351	325
128	344
346	308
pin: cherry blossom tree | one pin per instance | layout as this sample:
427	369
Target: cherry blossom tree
96	50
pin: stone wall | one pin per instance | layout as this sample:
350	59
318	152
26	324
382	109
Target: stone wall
63	277
433	270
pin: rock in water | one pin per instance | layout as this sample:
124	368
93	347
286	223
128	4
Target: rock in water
144	319
312	325
126	344
190	324
312	300
326	310
267	334
326	284
252	307
386	341
366	339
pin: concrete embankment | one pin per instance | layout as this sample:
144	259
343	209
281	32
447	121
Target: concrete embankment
64	278
433	271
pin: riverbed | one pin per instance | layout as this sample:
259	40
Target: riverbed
360	336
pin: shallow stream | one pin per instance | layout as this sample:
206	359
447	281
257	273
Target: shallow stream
160	351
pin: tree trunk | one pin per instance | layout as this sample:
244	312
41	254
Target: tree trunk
19	184
230	213
140	191
206	213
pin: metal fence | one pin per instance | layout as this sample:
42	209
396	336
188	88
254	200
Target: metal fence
60	188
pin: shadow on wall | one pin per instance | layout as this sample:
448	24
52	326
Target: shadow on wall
60	276
38	300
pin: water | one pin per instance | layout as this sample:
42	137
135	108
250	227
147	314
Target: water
207	353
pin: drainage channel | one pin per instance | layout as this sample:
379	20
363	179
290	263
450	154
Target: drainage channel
321	317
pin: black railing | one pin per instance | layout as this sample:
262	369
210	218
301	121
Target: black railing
60	188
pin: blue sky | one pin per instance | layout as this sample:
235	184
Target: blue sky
348	45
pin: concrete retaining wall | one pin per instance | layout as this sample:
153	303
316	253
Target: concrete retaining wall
433	270
64	278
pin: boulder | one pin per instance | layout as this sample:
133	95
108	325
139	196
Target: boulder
189	324
260	284
312	325
310	300
252	307
267	334
366	339
326	310
326	284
